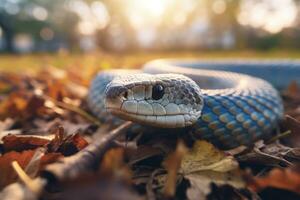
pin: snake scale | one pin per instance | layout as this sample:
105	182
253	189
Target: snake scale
227	102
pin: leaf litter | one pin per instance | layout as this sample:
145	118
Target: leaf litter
52	147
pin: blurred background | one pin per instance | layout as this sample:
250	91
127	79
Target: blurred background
28	26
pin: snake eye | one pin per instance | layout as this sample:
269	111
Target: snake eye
158	92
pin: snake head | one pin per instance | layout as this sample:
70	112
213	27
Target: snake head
162	100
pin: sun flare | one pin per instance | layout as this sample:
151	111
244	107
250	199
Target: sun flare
143	13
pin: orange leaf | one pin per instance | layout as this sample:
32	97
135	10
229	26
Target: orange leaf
288	179
79	141
8	175
23	142
293	89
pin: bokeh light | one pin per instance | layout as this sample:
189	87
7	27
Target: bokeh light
219	6
11	7
271	15
47	33
92	17
40	13
23	42
152	24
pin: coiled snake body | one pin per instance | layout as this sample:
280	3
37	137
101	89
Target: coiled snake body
216	99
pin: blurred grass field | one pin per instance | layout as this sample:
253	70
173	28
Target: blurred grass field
93	61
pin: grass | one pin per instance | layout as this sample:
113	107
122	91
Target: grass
100	60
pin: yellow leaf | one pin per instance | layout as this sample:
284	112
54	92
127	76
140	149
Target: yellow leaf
204	165
204	156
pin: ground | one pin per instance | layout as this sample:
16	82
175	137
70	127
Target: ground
52	147
33	62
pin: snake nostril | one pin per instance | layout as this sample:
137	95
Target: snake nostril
113	91
125	95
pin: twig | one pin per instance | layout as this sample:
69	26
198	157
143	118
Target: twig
85	160
281	135
34	186
74	109
149	187
172	165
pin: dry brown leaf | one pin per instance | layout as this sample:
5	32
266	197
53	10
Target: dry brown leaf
287	179
5	86
23	142
56	90
201	182
21	105
67	145
293	89
7	173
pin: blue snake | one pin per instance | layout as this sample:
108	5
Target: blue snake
227	102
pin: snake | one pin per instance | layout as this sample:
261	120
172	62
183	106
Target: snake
226	102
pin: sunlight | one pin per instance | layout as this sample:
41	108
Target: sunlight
270	15
92	17
144	13
153	8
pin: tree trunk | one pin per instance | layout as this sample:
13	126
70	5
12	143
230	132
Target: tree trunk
8	34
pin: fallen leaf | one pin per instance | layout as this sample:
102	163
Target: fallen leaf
55	89
293	90
288	179
200	182
21	105
5	86
204	156
204	165
79	141
7	173
67	145
23	142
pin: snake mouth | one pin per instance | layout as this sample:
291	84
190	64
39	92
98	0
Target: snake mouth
164	121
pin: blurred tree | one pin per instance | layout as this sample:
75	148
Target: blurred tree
131	25
31	16
8	32
119	34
